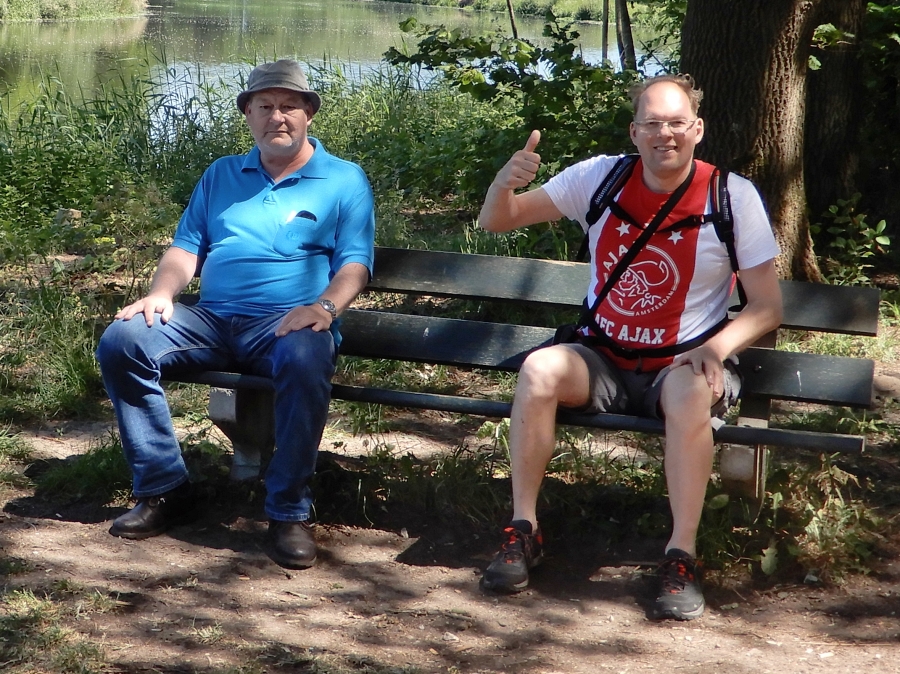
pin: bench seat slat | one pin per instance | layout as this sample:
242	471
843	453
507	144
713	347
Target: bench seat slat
776	437
446	341
807	306
827	442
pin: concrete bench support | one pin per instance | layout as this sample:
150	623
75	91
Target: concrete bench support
247	418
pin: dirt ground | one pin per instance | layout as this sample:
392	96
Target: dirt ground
203	596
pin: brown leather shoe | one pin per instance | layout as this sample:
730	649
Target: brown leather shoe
153	515
291	544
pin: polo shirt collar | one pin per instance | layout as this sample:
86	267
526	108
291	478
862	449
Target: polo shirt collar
316	167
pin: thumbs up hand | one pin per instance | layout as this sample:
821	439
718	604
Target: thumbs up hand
522	167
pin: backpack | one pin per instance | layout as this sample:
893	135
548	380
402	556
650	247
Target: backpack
721	217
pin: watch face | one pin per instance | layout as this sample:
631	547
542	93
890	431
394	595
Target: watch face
328	305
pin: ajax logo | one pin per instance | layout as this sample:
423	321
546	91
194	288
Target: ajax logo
646	286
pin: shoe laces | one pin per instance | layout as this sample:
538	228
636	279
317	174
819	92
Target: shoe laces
676	573
515	545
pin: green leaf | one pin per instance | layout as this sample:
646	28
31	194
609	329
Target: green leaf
777	500
718	502
769	560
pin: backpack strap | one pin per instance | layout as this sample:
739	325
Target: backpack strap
722	218
611	185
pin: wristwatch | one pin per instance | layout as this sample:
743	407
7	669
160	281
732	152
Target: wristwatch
328	306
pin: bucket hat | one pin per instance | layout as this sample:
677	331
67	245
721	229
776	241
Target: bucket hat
281	74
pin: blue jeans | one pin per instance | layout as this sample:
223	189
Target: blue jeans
133	358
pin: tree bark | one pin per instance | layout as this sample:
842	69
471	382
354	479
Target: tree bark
750	58
625	37
604	23
512	20
834	111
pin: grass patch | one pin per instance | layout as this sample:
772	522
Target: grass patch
101	474
34	635
14	451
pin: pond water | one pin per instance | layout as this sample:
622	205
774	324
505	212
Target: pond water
222	36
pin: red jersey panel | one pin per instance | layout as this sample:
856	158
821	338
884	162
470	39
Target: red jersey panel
646	305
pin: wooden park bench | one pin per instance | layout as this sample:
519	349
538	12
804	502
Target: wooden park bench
242	406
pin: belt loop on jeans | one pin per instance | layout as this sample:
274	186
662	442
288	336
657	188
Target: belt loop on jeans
640	365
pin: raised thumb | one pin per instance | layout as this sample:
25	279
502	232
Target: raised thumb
533	141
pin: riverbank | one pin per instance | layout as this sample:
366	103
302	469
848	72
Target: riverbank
57	10
579	10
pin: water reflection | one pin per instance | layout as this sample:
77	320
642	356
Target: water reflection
78	53
221	37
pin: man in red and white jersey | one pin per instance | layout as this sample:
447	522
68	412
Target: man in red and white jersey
666	349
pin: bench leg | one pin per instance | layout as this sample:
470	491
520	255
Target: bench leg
247	418
742	468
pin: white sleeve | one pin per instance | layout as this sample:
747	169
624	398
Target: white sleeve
754	240
571	190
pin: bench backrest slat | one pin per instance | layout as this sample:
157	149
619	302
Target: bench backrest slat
810	378
497	346
443	341
851	310
489	277
807	306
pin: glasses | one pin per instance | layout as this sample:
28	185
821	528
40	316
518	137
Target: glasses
676	126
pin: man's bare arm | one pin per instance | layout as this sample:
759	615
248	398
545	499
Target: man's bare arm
503	209
175	270
761	315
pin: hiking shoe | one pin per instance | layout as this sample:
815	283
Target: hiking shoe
521	550
680	597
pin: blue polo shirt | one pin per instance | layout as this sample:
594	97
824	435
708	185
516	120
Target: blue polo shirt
267	248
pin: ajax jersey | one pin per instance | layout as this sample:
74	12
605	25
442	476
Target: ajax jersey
678	286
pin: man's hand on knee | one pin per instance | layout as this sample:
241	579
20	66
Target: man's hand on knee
704	360
148	306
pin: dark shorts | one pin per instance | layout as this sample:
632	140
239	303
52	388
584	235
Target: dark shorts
626	392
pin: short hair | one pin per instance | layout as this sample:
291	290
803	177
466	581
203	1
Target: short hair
683	81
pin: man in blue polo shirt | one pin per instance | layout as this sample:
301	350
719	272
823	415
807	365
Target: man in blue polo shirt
282	239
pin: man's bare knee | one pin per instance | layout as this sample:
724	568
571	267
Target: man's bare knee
685	395
554	373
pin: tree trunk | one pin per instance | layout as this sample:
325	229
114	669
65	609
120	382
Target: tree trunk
512	19
750	58
625	37
834	110
604	23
